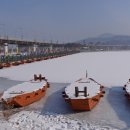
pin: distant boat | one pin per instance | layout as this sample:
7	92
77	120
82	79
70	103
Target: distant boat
83	94
127	89
26	93
6	64
15	63
1	66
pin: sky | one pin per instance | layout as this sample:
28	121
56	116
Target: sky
63	20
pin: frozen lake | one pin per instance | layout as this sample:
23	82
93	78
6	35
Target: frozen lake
109	68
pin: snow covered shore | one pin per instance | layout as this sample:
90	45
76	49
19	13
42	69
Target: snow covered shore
112	69
29	120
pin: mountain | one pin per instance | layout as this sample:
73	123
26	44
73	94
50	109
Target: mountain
106	35
108	39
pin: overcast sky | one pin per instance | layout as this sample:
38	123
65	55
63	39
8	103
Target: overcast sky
63	20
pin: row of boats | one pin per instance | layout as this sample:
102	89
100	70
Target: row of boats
83	94
16	63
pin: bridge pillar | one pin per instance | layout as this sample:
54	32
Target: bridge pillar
6	48
34	48
17	49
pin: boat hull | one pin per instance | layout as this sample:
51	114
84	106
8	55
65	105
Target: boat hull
15	63
25	99
84	104
1	66
6	65
126	93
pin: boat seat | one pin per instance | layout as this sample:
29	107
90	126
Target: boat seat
38	78
84	91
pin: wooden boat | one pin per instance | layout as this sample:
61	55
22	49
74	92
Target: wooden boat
6	64
83	94
34	59
1	66
38	59
126	88
20	62
28	61
45	58
16	63
26	93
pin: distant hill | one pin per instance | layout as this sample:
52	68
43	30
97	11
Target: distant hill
108	39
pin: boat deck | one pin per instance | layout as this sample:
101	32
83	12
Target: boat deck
93	88
26	87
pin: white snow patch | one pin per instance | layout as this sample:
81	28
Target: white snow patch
30	120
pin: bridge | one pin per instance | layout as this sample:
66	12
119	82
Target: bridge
21	42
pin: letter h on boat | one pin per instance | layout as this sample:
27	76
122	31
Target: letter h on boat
84	92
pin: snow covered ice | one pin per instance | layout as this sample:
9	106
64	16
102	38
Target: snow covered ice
33	120
111	69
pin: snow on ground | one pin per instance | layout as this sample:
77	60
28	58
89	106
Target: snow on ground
35	121
112	69
105	67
